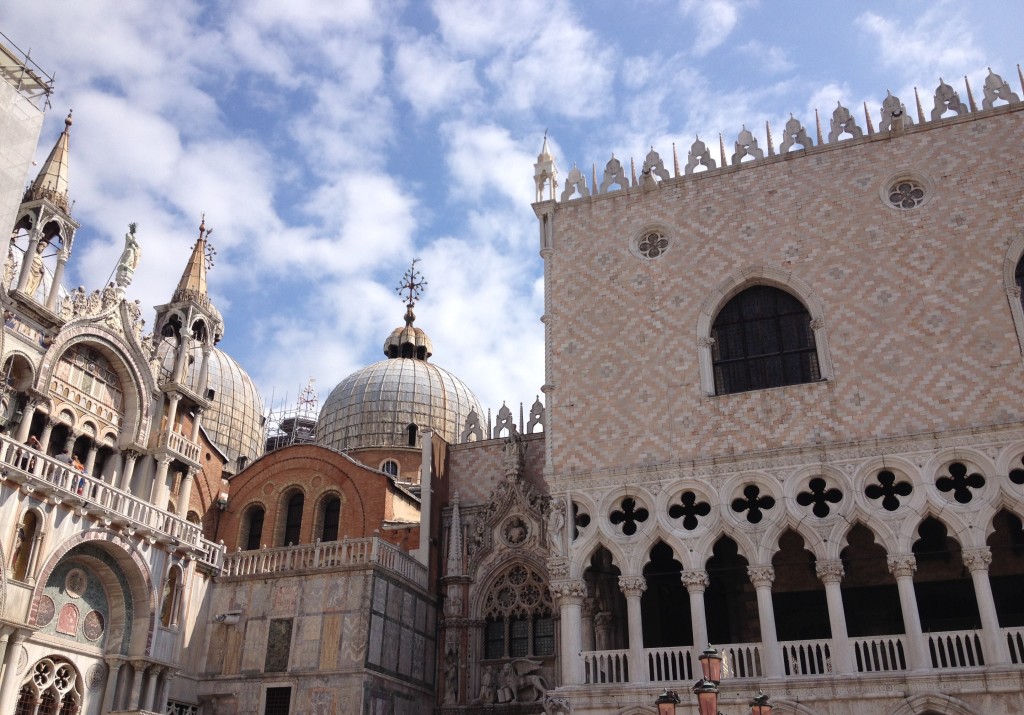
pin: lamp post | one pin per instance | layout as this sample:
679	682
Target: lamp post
706	690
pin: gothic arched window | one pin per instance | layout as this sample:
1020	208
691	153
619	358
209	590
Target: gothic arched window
253	527
518	616
1018	278
293	519
331	518
763	338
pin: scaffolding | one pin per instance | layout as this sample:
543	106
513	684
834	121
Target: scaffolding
294	425
18	69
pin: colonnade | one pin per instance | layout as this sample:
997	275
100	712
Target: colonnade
570	595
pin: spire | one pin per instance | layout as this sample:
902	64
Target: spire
193	281
545	173
52	182
409	341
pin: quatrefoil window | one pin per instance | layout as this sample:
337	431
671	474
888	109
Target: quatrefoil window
1017	474
888	490
753	503
689	509
820	496
652	244
580	520
906	194
629	515
960	482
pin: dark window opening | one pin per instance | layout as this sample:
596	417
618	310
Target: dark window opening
411	429
763	338
665	605
278	701
332	516
519	637
1018	278
293	522
279	645
390	467
255	519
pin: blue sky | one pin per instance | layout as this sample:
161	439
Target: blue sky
329	143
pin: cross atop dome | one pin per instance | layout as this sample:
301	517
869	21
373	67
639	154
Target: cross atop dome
411	287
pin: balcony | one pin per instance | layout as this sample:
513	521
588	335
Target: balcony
949	650
181	447
327	555
59	483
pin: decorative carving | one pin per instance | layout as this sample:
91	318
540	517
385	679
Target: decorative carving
753	503
472	428
95	676
629	514
558	567
554	704
830	571
92	625
696	581
556	527
746	145
653	166
906	194
576	590
519	676
761	576
536	416
652	244
888	490
843	123
902	565
818	497
795	134
995	89
699	155
632	585
575	182
503	422
977	559
705	341
75	583
946	99
455	539
451	675
689	510
519	591
486	693
45	610
513	452
515	531
614	174
894	114
960	483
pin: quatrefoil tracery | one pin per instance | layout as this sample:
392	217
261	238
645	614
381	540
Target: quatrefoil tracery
888	490
753	503
960	482
819	496
580	520
629	515
689	509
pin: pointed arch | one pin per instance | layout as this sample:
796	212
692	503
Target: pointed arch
937	703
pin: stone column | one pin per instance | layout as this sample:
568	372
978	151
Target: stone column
603	630
164	692
37	550
831	574
569	596
26	420
26	260
44	438
5	635
58	277
696	583
587	615
178	373
195	425
903	566
172	412
426	487
113	667
151	674
158	479
90	459
204	370
762	577
185	491
129	468
9	685
633	587
978	561
139	670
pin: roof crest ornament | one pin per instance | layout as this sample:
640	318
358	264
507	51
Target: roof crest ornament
412	287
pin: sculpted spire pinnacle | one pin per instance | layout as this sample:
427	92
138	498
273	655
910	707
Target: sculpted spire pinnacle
52	181
193	281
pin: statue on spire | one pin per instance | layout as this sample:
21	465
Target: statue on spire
411	287
130	256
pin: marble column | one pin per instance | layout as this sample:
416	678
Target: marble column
44	438
569	596
139	670
26	421
130	458
633	587
185	491
5	636
9	684
157	488
831	574
172	413
55	284
696	583
762	577
589	636
113	668
149	689
977	562
903	566
164	691
26	260
90	459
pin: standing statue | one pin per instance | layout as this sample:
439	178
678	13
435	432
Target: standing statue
556	524
35	270
129	260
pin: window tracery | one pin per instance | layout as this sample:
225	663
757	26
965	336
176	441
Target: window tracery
518	611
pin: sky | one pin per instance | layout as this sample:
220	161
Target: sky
331	143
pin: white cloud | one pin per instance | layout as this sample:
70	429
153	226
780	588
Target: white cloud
484	160
715	20
767	58
477	28
430	79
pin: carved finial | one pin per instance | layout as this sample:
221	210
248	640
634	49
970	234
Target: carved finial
68	121
412	286
675	160
1020	77
632	171
970	96
920	109
817	124
867	118
721	148
771	144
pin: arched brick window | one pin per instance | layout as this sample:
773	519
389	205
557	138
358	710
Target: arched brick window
293	518
252	526
331	519
763	338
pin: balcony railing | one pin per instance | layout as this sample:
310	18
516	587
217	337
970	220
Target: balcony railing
326	555
955	649
38	472
1015	643
181	446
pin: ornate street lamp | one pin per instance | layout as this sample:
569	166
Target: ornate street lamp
711	665
667	702
760	705
707	697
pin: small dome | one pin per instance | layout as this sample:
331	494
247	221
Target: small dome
375	406
235	419
408	341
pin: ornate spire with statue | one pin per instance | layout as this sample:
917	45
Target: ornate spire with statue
129	259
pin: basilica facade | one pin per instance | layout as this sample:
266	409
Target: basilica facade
781	417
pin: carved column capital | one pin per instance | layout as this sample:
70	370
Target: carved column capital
569	592
696	581
761	576
558	568
705	341
633	585
902	565
977	559
830	571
